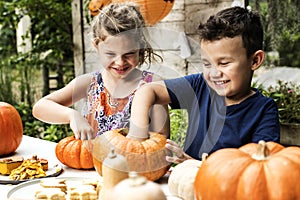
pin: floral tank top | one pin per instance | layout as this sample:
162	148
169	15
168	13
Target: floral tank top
105	114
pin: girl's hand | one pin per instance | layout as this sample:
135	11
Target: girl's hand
179	156
80	126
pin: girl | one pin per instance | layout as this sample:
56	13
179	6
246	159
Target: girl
122	47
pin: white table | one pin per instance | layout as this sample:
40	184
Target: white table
45	149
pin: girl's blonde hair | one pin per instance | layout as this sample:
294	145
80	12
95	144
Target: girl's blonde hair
117	18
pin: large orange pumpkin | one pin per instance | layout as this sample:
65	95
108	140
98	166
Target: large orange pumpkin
71	152
152	10
147	157
11	129
236	174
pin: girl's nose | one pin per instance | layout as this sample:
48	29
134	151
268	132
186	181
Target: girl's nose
119	60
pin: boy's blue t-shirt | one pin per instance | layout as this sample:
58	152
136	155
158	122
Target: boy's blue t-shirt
220	126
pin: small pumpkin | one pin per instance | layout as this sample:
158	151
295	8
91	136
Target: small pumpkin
234	174
137	187
147	157
182	177
11	129
71	152
96	5
114	170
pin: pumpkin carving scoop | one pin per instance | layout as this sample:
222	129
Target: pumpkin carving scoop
147	157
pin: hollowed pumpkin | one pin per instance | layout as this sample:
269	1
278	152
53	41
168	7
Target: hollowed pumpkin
234	174
71	152
11	129
147	157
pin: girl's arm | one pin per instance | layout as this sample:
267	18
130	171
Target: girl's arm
55	107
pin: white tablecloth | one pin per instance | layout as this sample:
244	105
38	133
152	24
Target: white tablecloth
44	149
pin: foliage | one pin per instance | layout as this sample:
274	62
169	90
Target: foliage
179	124
38	129
51	45
280	20
51	39
287	97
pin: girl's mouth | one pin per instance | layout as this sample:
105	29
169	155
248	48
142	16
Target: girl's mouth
121	70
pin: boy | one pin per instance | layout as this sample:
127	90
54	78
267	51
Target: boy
224	111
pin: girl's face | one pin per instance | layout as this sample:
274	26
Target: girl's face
119	54
226	68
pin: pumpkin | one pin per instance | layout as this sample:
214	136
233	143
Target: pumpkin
71	152
137	187
96	5
147	157
11	129
114	170
235	174
182	177
152	10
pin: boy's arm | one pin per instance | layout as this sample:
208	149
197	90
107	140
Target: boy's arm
145	97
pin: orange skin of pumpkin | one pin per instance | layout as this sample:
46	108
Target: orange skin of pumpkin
152	10
71	152
135	152
233	174
11	129
96	5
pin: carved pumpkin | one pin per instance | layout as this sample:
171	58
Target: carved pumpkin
152	10
182	178
137	187
233	174
96	5
71	152
11	129
147	157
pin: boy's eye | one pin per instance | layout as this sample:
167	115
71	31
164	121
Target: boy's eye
206	65
224	64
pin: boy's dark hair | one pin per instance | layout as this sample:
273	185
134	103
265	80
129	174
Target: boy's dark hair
232	22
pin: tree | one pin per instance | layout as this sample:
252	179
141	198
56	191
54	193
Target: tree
51	31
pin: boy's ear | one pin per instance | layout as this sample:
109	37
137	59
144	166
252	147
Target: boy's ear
258	58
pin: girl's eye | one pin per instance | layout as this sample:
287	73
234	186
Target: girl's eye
130	54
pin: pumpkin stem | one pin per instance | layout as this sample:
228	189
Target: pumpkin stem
112	153
262	151
204	156
135	179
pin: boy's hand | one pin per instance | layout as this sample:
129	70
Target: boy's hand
179	156
80	127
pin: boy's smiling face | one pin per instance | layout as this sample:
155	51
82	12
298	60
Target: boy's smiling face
227	69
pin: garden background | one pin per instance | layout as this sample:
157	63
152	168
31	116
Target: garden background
25	75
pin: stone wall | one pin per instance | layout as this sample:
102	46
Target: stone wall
174	38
